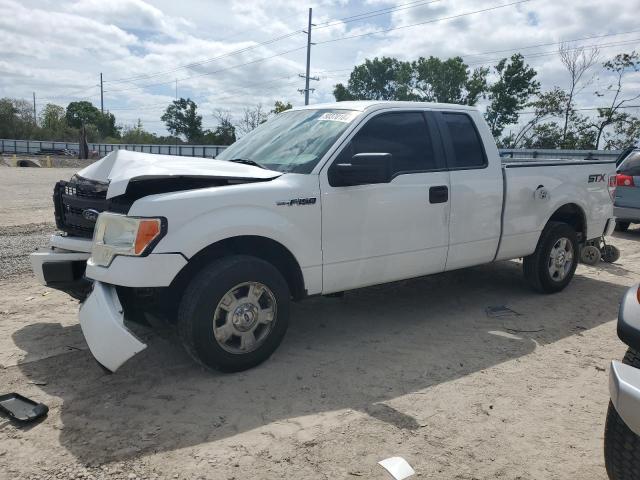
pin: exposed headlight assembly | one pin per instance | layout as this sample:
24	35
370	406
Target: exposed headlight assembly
122	235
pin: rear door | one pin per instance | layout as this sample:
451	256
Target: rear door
383	232
476	190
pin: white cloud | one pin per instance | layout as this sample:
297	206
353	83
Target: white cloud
57	48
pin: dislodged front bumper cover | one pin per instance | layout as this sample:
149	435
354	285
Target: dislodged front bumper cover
102	322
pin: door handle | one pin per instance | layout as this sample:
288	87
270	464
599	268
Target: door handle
439	194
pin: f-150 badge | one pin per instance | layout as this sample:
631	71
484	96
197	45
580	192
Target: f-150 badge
297	202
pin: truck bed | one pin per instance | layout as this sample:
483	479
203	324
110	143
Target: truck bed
534	189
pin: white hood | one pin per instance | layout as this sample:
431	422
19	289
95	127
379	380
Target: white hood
122	166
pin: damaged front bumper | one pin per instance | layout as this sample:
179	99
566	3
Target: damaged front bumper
62	265
102	322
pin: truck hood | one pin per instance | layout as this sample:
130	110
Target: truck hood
121	167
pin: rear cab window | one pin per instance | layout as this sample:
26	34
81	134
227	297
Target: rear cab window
466	144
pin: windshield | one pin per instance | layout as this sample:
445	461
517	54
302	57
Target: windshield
293	141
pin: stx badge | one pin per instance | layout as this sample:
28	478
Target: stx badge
596	177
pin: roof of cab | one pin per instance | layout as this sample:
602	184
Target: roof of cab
362	105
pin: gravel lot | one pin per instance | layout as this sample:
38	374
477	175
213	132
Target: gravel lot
415	369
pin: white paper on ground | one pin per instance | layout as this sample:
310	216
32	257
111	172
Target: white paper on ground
398	467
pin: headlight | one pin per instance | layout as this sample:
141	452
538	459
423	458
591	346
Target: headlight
122	235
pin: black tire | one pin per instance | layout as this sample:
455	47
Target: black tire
201	298
132	307
536	265
621	445
610	254
622	226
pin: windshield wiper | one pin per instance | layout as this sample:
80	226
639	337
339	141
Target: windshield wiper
246	161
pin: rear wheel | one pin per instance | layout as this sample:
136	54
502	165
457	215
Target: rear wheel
622	226
551	267
621	445
234	313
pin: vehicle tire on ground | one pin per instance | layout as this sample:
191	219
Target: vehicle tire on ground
621	445
590	255
132	308
234	313
610	254
622	226
551	267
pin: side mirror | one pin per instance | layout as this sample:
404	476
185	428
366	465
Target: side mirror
363	169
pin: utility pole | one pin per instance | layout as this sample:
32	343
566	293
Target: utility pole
306	76
35	116
101	95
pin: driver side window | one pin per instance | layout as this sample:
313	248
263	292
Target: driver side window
405	135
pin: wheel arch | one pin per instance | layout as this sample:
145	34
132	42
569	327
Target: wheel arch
573	215
257	246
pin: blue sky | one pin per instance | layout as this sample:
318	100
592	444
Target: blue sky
58	48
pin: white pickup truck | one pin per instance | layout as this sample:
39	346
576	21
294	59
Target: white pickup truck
316	201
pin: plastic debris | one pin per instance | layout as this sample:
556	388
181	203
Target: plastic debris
398	467
500	311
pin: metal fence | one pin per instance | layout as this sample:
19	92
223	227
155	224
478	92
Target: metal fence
33	147
211	151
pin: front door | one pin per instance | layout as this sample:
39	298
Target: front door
383	232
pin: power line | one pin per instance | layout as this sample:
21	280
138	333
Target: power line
531	55
203	62
228	94
361	16
550	43
434	20
262	59
374	13
555	52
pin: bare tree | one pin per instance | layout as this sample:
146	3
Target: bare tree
251	118
612	115
578	61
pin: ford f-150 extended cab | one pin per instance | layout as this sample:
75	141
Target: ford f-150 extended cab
317	200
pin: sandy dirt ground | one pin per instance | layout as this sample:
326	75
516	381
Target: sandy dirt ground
414	369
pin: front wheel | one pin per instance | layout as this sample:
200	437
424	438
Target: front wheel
621	444
551	267
234	313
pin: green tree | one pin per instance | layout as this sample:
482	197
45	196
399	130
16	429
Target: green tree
509	95
106	125
53	124
378	79
280	106
224	133
449	81
16	119
137	134
181	118
545	107
625	134
83	112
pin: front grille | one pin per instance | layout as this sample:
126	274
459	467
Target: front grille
71	201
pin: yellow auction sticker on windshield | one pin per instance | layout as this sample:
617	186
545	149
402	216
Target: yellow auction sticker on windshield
338	117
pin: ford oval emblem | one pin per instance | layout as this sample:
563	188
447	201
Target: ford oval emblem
90	214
